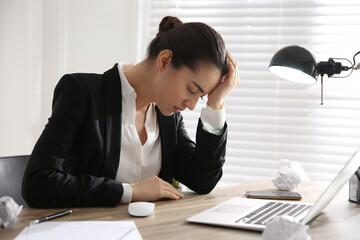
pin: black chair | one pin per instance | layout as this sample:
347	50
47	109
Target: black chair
11	174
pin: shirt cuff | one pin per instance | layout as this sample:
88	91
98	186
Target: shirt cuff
213	121
127	194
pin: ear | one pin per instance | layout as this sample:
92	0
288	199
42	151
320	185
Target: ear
163	60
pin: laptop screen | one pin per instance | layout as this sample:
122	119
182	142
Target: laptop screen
337	183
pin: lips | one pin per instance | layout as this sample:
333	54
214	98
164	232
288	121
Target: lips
177	110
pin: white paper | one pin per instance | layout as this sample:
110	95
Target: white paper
287	179
81	230
283	228
23	234
9	210
296	167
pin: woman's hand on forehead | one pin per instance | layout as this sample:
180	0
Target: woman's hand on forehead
216	98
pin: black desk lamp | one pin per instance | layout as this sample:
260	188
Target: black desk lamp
297	64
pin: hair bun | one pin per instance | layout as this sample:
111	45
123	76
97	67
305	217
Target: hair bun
168	23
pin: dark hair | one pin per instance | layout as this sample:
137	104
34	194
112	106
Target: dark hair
191	44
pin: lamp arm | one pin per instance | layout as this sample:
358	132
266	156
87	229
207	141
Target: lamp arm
358	66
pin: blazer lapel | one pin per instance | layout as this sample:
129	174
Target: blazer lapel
168	145
113	109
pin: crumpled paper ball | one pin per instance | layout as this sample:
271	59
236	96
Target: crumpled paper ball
287	179
9	210
284	228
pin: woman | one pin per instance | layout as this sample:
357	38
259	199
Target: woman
119	137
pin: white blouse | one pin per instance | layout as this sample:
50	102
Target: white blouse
137	161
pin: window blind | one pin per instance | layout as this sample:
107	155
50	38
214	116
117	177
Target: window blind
270	118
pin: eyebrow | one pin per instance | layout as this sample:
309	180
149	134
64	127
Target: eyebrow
198	86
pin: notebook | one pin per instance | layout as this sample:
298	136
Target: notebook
253	214
81	230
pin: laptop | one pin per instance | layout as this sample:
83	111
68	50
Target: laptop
253	214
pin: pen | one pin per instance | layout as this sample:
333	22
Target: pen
56	215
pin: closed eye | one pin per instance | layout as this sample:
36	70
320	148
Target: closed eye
191	92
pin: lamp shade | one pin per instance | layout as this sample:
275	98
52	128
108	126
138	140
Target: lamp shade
295	64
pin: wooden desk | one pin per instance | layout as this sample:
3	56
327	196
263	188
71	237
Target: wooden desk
340	220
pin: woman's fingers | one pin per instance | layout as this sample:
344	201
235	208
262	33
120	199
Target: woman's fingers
152	189
171	195
170	189
233	75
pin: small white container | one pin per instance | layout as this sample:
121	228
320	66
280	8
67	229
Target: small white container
354	187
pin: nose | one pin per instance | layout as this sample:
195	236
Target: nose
191	103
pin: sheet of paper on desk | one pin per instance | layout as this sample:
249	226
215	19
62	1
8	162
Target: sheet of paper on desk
81	230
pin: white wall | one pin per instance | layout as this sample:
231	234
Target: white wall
40	40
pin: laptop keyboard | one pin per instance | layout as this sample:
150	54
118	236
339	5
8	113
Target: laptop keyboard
267	212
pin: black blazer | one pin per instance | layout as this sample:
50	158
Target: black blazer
75	160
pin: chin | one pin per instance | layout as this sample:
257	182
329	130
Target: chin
165	112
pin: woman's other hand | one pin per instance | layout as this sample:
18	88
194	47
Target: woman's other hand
152	189
217	96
